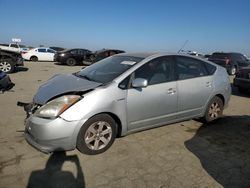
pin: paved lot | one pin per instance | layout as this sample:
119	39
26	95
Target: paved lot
186	154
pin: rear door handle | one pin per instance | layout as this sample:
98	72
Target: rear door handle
171	91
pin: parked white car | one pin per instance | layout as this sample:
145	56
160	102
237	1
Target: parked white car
39	54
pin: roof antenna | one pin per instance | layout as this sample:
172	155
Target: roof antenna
183	46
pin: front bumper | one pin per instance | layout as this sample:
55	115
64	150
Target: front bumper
242	83
48	135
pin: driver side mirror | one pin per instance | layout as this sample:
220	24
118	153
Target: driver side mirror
139	83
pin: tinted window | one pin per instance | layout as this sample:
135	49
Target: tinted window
50	51
14	45
42	50
73	52
189	68
157	71
220	56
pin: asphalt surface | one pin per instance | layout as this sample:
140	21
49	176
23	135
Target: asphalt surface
185	154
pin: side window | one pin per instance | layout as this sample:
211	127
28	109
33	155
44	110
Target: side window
80	52
43	50
125	83
50	51
210	68
73	52
157	71
14	45
189	68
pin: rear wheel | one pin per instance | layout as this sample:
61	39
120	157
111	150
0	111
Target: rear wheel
97	135
33	58
214	109
71	62
7	66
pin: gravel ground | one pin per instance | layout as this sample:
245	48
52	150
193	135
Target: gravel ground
185	154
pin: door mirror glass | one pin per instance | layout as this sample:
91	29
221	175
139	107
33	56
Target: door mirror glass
139	83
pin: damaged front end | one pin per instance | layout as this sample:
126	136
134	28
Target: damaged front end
29	108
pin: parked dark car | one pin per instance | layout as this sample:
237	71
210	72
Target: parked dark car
73	57
9	61
58	49
101	54
242	79
231	61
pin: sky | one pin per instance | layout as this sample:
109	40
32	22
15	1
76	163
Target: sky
131	25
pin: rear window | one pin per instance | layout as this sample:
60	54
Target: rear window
220	55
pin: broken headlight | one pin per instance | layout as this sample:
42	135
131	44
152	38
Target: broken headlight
57	106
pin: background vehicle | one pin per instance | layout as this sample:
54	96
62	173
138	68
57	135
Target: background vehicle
14	47
39	54
57	49
73	57
122	94
101	54
9	61
242	79
231	61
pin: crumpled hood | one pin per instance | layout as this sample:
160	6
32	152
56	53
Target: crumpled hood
60	84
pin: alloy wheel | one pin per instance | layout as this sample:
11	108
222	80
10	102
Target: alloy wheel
214	110
98	135
5	66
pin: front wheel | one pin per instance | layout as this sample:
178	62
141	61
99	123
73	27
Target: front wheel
97	135
7	66
232	70
214	109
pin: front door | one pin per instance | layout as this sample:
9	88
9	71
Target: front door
156	103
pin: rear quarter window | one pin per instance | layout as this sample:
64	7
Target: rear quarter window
210	68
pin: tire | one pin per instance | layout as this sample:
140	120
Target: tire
94	133
232	70
214	110
71	62
7	66
33	58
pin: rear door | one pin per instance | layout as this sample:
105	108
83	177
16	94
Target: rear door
42	54
50	54
157	103
194	86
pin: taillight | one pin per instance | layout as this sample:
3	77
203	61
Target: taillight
228	61
24	52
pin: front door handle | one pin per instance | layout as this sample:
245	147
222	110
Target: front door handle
171	91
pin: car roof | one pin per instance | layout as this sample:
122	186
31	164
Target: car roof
155	54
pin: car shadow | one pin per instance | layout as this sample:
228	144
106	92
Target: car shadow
223	149
21	69
236	92
54	176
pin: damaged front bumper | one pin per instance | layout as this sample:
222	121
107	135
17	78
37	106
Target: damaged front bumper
49	135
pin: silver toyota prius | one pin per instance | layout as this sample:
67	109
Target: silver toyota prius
122	94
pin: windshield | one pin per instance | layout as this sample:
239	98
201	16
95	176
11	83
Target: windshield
108	69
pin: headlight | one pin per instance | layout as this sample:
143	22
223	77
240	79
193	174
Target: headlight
57	106
62	55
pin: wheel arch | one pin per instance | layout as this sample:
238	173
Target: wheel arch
117	120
